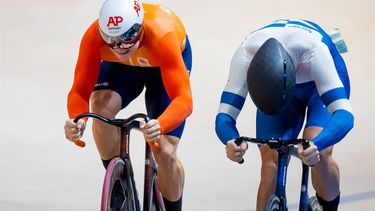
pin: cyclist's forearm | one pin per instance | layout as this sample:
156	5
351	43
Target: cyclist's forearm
76	105
225	128
175	114
340	124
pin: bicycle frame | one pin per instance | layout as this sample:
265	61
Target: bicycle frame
125	126
282	168
150	172
284	147
149	168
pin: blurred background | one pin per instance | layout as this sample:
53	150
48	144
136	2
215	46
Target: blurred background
40	170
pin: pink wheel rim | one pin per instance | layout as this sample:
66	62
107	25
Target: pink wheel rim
107	182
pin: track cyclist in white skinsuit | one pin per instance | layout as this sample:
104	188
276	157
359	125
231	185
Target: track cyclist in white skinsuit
320	95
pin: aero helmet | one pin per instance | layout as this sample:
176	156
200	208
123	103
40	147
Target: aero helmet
271	77
120	23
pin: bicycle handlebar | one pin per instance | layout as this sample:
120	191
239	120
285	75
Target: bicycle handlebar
273	143
115	122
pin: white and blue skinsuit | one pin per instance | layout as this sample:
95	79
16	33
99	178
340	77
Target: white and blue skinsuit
322	86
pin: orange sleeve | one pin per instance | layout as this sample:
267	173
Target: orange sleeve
176	82
86	72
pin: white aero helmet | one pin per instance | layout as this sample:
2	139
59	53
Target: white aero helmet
120	23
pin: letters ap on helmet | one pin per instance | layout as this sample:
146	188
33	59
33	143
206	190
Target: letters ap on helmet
271	77
120	20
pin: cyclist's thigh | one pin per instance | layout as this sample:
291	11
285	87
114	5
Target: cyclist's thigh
105	102
125	80
168	144
310	133
285	125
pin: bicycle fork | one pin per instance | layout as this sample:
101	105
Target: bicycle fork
281	184
281	179
148	180
304	197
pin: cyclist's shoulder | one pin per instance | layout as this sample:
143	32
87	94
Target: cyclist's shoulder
158	11
92	34
287	30
160	21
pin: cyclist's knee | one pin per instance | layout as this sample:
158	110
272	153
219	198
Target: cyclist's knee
311	132
167	152
268	155
269	161
105	102
325	157
269	169
326	153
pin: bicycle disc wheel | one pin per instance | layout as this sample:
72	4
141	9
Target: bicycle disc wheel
273	204
118	190
314	204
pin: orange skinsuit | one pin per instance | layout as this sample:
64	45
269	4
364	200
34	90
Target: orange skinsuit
162	46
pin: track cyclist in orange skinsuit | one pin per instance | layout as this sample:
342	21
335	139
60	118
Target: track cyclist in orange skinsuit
131	46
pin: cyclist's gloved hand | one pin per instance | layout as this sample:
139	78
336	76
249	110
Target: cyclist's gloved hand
74	131
309	156
151	130
234	152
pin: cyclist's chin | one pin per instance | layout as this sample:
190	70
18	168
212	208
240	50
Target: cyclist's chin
123	54
122	51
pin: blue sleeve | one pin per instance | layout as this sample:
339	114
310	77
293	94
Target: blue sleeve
225	127
339	125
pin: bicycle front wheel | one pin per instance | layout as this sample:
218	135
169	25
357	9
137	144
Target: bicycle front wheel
155	199
273	204
118	192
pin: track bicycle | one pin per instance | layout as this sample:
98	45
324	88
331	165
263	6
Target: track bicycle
286	148
119	192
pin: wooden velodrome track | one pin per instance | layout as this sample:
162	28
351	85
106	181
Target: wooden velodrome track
40	170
